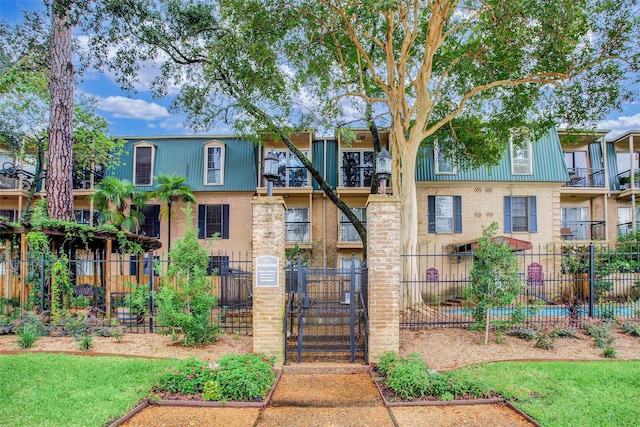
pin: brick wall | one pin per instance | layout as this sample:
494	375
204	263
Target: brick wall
383	262
269	302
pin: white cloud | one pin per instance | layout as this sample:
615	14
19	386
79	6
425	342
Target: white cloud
137	109
621	125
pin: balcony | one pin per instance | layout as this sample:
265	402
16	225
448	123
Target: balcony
292	177
82	177
586	178
583	230
297	232
356	176
624	178
627	227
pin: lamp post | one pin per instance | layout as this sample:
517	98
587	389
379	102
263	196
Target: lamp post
383	169
270	173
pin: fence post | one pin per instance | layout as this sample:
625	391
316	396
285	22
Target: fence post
151	271
42	281
352	308
592	277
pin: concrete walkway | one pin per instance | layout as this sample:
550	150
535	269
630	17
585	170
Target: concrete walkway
322	395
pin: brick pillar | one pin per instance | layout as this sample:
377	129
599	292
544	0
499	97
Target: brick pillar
268	293
384	262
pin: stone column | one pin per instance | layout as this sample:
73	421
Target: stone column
384	264
268	276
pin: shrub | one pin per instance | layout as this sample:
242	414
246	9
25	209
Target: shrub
189	377
632	329
186	298
84	342
244	376
546	339
524	333
411	378
387	362
610	352
27	336
234	377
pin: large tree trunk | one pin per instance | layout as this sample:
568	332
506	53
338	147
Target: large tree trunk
59	186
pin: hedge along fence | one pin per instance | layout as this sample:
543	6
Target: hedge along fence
566	284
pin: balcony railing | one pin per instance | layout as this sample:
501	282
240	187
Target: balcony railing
627	227
297	232
82	177
356	176
583	230
624	178
586	178
292	177
348	232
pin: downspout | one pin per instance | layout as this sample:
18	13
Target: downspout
324	208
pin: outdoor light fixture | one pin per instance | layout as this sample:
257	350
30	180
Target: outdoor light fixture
270	173
383	169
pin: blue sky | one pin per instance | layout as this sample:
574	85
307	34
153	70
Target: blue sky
139	114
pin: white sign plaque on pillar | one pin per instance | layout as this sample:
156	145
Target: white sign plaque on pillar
267	271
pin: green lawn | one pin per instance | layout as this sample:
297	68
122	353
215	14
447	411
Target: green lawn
603	393
39	389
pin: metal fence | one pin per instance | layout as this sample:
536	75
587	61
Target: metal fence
562	284
117	289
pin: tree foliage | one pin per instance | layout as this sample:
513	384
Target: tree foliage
186	297
119	203
171	189
494	280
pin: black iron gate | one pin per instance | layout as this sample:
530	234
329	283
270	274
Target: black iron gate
326	315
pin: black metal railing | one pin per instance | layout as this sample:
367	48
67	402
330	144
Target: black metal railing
297	232
356	176
122	289
583	230
624	179
563	285
586	177
292	177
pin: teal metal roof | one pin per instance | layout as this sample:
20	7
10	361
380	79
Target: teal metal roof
548	165
331	172
185	156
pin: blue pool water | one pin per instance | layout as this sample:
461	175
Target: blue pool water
550	311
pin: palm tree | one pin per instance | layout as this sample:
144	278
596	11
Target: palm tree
170	189
113	196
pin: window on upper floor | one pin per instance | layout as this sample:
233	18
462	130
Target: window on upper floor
357	168
143	164
10	215
520	214
348	232
291	171
297	225
445	214
444	166
83	216
150	225
521	153
213	219
214	163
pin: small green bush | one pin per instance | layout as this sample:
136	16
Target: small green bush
387	361
632	329
524	333
244	376
27	336
189	377
234	377
85	342
411	378
610	352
